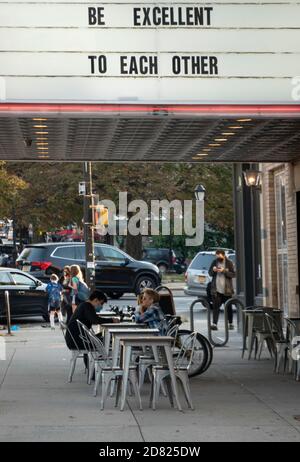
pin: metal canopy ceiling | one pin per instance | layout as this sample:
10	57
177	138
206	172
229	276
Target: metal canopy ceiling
156	135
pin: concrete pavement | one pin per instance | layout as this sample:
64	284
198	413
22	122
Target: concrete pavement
235	400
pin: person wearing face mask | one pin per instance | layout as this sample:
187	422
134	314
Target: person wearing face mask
86	313
222	272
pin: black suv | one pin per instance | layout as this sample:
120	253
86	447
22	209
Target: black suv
116	272
164	259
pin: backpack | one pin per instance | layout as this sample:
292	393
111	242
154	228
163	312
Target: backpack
54	295
83	292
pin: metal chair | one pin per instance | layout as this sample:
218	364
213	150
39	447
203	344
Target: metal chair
145	362
280	344
181	365
104	370
76	354
292	332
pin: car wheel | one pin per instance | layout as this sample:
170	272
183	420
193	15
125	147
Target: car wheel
114	295
144	282
162	268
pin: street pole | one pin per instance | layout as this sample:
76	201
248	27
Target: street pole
88	208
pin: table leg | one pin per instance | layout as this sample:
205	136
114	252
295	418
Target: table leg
125	367
169	357
250	334
107	341
245	325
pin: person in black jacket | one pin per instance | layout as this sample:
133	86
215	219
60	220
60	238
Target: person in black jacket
86	313
222	272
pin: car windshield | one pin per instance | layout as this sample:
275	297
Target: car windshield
33	254
202	261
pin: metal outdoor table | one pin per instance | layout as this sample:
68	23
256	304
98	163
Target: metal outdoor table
117	334
165	343
249	324
105	328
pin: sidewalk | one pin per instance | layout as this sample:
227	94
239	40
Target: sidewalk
235	400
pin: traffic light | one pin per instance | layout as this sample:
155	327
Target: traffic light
101	216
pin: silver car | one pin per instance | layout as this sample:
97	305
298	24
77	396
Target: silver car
197	277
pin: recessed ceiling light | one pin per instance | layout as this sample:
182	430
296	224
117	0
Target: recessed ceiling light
243	120
236	127
202	154
228	133
40	138
196	158
38	119
41	133
214	144
206	149
220	139
42	148
42	144
40	126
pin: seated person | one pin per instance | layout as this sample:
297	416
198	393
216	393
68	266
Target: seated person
149	312
86	313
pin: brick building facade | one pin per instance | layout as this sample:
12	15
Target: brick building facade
280	241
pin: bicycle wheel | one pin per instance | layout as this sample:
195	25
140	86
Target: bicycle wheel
201	352
209	351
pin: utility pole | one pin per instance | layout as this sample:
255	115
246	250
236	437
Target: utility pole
88	208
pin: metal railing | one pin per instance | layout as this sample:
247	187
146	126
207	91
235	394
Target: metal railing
7	309
204	302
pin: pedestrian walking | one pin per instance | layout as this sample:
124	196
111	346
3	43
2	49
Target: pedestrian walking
66	304
222	272
80	291
54	290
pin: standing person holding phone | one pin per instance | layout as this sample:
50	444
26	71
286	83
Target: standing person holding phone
222	272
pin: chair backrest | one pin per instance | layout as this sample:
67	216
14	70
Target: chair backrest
166	300
187	351
274	327
64	327
292	327
97	346
83	335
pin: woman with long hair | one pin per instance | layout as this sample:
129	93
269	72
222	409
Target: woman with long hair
76	279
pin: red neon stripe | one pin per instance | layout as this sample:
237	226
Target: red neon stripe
145	108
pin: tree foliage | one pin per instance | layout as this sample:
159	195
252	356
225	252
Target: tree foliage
46	194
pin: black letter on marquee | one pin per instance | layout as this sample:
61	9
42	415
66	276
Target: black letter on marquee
92	59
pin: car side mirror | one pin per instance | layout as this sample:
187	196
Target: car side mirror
126	262
38	283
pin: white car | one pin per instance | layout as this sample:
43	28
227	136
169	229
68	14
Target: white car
197	277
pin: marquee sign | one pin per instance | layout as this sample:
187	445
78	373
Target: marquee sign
143	52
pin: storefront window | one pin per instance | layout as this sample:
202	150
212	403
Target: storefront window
281	241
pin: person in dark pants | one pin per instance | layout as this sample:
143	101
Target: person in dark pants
86	313
66	305
222	272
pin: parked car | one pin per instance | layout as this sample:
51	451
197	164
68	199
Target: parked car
197	277
115	271
27	295
164	259
7	255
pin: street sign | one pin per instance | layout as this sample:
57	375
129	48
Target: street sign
150	52
82	188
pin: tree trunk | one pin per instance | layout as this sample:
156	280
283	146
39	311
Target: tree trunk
134	246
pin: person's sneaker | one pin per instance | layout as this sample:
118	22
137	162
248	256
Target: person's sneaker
231	327
214	327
